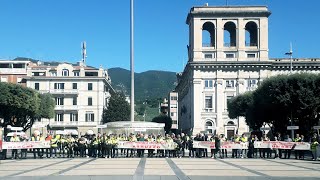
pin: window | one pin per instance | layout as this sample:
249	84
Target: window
53	73
208	102
172	114
74	100
208	83
91	73
230	34
73	117
208	56
58	85
59	101
252	82
229	55
251	55
173	106
19	65
89	101
58	117
89	86
174	98
19	79
36	86
228	100
74	86
251	34
4	79
208	34
65	72
89	117
209	126
76	73
230	83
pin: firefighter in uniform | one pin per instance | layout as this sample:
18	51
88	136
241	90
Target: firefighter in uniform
35	137
54	146
150	151
14	138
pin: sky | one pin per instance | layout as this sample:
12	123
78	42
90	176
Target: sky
54	30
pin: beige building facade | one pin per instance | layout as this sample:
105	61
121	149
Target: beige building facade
227	56
81	93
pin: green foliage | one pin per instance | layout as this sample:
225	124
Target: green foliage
19	106
155	84
47	106
164	119
280	101
118	109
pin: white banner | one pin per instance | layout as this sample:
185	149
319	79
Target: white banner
26	145
145	145
282	145
257	144
224	145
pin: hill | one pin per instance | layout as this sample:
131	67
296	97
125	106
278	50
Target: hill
148	85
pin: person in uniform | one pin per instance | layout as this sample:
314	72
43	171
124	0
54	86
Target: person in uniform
314	145
36	152
14	153
179	146
70	146
243	139
297	139
41	151
82	146
141	151
287	152
24	151
115	152
54	146
235	152
251	141
190	147
108	147
159	140
48	139
150	151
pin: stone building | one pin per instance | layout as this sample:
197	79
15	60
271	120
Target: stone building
227	55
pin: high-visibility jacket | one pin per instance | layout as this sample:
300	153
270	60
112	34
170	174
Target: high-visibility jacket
14	139
314	145
244	139
54	143
37	138
297	139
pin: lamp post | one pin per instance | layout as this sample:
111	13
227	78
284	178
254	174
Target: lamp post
290	55
131	62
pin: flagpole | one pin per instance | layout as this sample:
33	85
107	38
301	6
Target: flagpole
131	62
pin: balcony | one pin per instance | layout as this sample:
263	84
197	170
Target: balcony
72	123
66	108
63	91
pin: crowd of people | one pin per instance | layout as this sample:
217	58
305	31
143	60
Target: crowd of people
106	146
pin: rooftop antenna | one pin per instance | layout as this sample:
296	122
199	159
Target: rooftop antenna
84	51
226	2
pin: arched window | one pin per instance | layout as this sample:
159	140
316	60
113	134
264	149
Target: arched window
251	34
230	123
65	72
210	127
208	35
230	36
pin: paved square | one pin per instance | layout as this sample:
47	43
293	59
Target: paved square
158	168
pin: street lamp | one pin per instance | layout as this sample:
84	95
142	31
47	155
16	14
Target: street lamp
131	62
290	54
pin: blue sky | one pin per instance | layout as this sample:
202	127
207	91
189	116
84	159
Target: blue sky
54	30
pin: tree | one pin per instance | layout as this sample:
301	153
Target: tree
19	106
282	101
47	106
164	119
118	109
